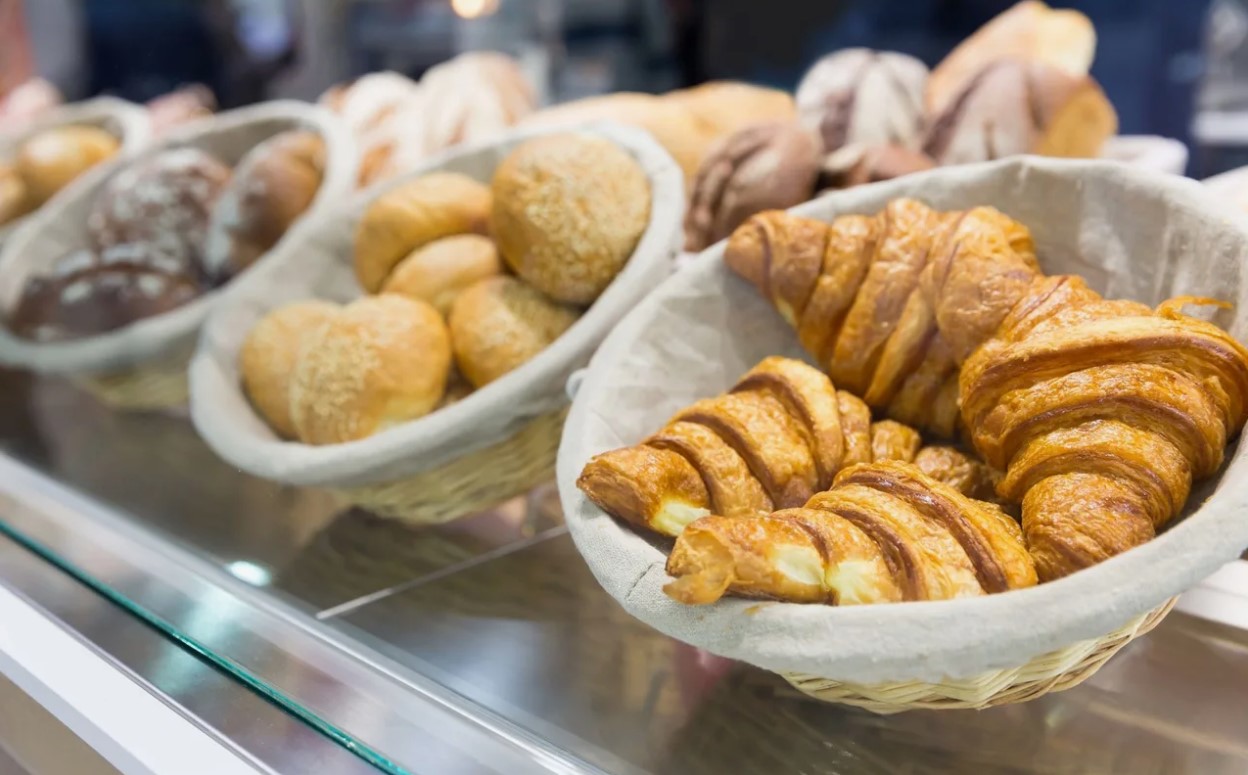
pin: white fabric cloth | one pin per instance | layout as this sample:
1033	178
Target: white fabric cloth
1132	234
317	263
60	226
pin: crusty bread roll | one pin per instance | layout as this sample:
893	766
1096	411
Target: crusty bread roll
668	121
1022	106
723	107
272	186
267	358
860	96
568	211
1064	39
51	159
13	200
379	362
440	271
416	213
499	324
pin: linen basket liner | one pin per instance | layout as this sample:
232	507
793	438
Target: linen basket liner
1131	234
61	227
317	263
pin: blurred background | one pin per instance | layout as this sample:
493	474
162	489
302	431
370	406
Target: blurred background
1177	68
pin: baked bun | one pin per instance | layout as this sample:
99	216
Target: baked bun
768	166
723	107
863	96
267	358
13	200
499	324
95	301
271	187
414	214
51	159
855	165
379	362
1017	106
1030	30
568	211
472	98
439	271
668	121
165	200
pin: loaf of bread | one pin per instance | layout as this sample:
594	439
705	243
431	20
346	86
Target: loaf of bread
271	187
568	211
412	215
723	107
861	96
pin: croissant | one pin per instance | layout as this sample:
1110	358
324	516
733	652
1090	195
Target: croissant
779	436
1101	413
885	532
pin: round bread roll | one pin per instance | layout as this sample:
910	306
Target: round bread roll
267	359
723	107
440	271
165	200
381	361
96	301
51	159
414	214
860	96
499	324
568	212
13	200
669	121
471	98
271	187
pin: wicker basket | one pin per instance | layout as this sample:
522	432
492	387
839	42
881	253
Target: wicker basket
1051	672
471	483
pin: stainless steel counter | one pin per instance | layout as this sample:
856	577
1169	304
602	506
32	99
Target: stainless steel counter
487	645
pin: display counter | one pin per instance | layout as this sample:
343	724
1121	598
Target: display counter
486	645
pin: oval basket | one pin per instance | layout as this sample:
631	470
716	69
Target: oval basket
126	121
498	441
143	365
1131	234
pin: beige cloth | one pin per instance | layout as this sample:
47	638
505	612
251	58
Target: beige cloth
1132	234
317	263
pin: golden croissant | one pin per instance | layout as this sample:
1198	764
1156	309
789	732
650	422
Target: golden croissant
885	532
779	436
1101	413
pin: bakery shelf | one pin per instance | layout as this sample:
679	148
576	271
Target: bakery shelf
487	641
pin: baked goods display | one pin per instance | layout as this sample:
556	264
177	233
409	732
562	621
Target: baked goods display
1020	85
46	162
399	122
1092	417
464	281
165	230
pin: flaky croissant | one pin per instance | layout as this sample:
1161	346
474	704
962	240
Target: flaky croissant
779	436
885	532
1100	412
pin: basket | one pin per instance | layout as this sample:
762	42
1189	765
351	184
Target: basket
1130	234
142	366
1052	672
126	121
497	442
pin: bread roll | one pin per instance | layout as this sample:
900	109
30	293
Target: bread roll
440	271
855	165
499	324
51	159
13	200
165	200
414	214
862	96
723	107
272	186
379	362
1016	106
474	97
668	121
96	301
767	166
268	356
1030	30
568	211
